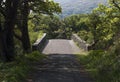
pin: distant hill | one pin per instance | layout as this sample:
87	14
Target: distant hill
70	7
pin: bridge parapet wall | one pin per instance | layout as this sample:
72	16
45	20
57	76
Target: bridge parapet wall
39	44
81	43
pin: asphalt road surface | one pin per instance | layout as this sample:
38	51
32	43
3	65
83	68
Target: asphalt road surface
59	68
60	65
61	46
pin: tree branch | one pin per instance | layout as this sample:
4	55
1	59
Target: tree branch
115	4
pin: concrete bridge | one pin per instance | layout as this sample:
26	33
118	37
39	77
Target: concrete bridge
60	46
61	65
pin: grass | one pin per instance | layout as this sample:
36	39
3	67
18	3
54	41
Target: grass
18	70
102	66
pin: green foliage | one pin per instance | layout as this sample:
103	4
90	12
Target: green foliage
35	56
95	58
14	23
86	36
17	71
51	25
34	32
103	25
41	21
102	65
13	72
76	22
45	7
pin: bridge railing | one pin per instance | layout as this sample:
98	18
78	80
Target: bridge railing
81	43
39	44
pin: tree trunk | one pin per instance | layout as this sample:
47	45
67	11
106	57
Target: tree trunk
24	28
7	35
1	49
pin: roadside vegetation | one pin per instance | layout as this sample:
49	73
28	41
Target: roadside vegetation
18	31
18	70
103	66
22	22
103	59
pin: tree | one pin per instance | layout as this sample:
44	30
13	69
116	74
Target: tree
36	7
23	25
115	3
47	8
106	25
8	9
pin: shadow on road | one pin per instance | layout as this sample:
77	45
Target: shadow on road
60	68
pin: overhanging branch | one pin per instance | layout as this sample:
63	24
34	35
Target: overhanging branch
115	4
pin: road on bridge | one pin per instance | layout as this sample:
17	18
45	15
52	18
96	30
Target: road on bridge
61	46
60	65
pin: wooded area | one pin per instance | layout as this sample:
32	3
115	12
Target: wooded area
14	15
24	21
